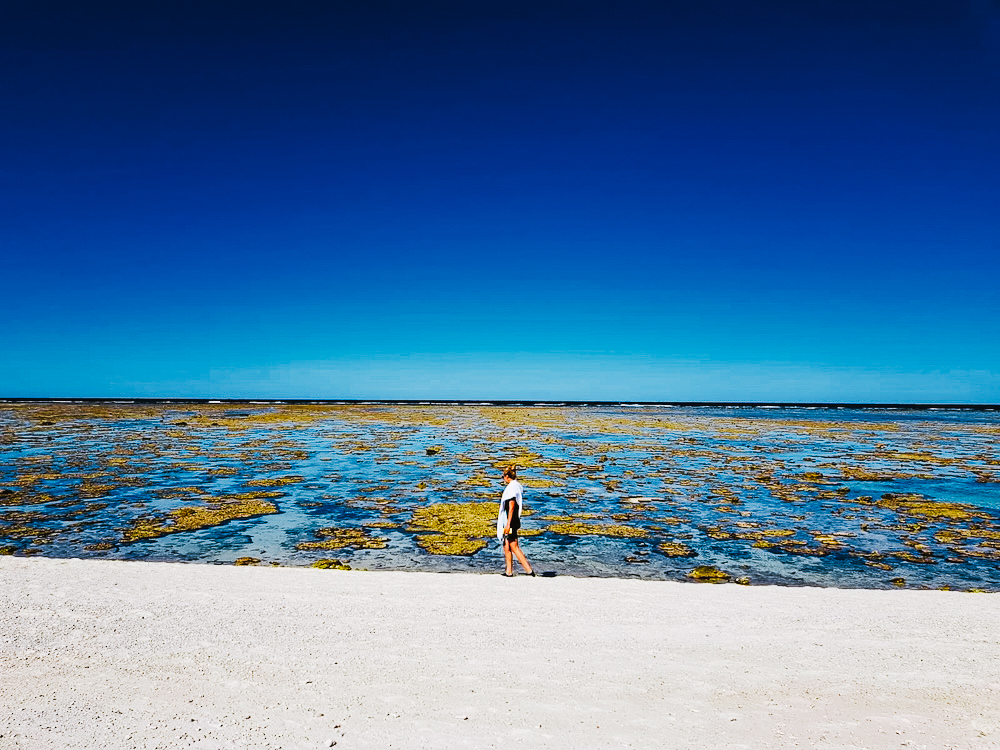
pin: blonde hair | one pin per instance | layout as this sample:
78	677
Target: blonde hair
511	471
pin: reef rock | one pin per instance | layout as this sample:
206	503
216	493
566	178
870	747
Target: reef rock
710	574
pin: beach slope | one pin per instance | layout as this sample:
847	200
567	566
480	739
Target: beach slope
101	654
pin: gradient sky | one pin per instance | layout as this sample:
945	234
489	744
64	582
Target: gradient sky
702	200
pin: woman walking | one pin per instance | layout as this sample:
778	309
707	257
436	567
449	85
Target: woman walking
509	521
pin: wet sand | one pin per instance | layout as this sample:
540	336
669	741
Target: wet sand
162	655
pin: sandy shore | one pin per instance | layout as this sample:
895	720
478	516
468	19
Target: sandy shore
98	654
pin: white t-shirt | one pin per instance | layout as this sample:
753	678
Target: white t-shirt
512	490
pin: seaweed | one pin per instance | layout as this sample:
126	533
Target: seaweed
275	481
453	528
20	497
330	564
709	574
675	549
194	518
923	507
340	538
577	528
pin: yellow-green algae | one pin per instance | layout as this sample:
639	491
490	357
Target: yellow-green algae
21	525
675	549
454	528
275	481
709	574
255	495
753	534
175	493
330	564
339	538
577	528
89	490
983	551
11	497
194	518
918	505
950	536
860	474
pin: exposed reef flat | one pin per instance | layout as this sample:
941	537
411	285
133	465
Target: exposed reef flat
156	655
830	497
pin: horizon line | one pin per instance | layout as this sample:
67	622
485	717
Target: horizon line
500	402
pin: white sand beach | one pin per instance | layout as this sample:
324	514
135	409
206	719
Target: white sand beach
100	654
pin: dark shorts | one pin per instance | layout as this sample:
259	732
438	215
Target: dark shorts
514	526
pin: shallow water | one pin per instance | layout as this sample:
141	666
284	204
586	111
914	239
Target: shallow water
830	497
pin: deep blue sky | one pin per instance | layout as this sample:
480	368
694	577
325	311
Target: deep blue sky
689	200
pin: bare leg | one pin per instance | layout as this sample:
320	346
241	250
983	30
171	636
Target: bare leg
516	549
507	557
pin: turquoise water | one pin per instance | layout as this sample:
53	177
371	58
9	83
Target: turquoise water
791	496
